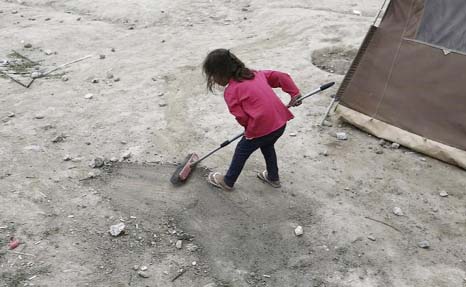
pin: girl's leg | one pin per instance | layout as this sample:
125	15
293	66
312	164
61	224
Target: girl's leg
271	162
242	152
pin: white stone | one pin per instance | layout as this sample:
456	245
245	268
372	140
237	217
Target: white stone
179	244
395	145
342	136
397	211
89	96
116	229
143	268
443	193
299	231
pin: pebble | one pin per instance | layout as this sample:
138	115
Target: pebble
59	138
116	229
113	159
379	151
192	247
423	244
143	274
64	78
370	237
327	124
293	134
101	56
397	211
117	79
443	193
162	105
143	268
342	136
112	49
11	115
395	145
299	231
194	263
95	81
179	244
324	153
36	74
48	52
109	75
14	12
136	267
97	162
39	117
89	96
126	155
28	45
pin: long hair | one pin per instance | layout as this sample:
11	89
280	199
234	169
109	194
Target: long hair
221	64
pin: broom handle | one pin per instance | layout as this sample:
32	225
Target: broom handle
227	142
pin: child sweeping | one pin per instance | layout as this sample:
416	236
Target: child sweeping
250	98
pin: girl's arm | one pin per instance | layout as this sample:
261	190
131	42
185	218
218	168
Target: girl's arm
281	80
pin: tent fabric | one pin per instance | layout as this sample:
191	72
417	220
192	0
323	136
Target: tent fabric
391	133
409	85
444	24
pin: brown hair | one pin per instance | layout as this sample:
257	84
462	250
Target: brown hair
221	64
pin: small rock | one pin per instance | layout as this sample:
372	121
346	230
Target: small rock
293	134
126	155
357	12
11	115
47	19
443	193
395	146
162	105
109	75
179	244
64	78
143	274
342	136
48	52
116	229
379	151
136	267
113	159
101	56
95	81
89	96
36	74
397	211
324	153
143	268
327	124
14	12
370	237
160	94
112	49
97	162
194	263
299	231
382	142
28	45
59	138
423	244
117	79
39	117
67	158
192	247
78	19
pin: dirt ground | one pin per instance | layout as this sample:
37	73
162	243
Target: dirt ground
149	108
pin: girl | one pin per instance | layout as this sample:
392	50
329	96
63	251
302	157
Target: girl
250	98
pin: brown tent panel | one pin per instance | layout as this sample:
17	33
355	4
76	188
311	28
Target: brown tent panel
404	82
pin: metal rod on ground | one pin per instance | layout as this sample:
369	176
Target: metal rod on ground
179	274
13	79
66	64
328	110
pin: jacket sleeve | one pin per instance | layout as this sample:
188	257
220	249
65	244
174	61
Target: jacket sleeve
234	106
282	80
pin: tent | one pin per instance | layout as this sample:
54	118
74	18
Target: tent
407	83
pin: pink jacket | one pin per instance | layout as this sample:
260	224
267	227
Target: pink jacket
256	106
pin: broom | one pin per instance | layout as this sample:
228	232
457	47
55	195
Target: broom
183	171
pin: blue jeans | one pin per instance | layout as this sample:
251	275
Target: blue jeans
246	147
